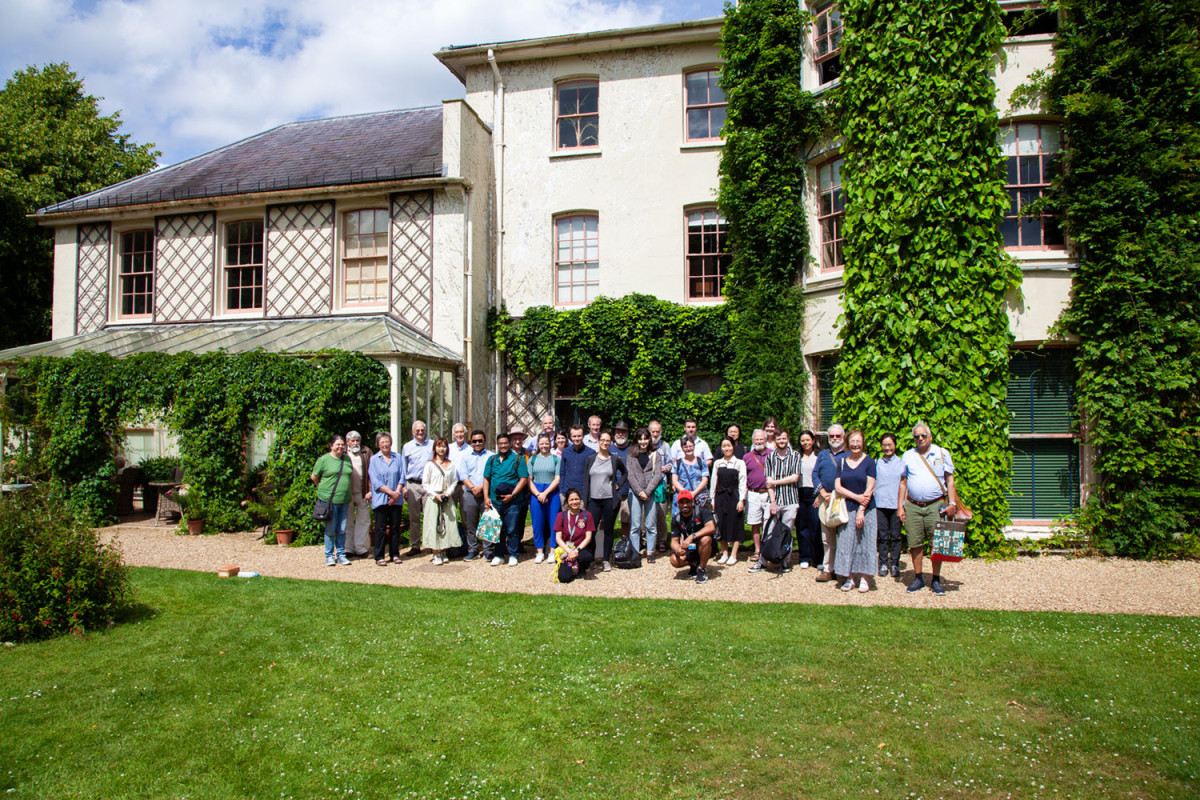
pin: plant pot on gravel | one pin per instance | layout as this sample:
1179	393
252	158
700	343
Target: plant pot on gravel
195	526
285	536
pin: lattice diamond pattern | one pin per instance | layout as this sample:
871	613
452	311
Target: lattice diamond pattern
91	275
526	401
300	260
184	248
412	259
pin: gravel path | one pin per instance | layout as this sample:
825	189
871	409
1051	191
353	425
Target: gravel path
1046	583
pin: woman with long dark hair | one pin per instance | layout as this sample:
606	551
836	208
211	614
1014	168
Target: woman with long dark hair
729	500
808	521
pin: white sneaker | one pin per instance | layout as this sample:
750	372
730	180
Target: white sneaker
512	561
540	558
722	559
803	565
437	560
731	560
497	561
847	586
863	586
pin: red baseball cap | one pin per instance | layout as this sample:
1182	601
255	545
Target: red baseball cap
685	495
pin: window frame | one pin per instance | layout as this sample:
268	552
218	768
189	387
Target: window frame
1037	419
557	265
834	50
837	217
688	107
120	276
225	268
724	256
1044	159
1010	7
342	244
575	81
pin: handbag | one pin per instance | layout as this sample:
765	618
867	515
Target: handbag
833	512
961	512
489	526
948	540
323	509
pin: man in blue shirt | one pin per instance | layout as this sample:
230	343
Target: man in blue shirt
824	476
926	486
417	451
470	476
572	471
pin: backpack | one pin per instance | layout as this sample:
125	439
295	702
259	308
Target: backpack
777	541
625	555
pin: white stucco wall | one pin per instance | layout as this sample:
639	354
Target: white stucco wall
62	318
639	182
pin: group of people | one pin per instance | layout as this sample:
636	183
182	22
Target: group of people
573	485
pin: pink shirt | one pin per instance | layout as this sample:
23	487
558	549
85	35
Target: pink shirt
756	478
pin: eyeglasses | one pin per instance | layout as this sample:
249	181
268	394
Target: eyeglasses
920	435
835	436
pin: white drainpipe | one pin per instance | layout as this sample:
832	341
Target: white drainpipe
498	160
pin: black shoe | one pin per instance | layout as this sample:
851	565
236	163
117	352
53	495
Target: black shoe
896	571
883	570
691	571
701	575
936	586
471	555
917	585
413	552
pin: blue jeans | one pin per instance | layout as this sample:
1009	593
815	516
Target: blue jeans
643	515
510	528
543	516
335	531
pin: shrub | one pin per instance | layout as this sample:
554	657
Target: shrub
55	575
158	470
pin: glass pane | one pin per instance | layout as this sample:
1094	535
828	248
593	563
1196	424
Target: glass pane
694	242
589	98
1008	140
381	220
406	405
589	131
566	133
1049	168
351	224
590	224
1027	138
1014	174
697	88
568	99
716	120
1030	169
421	405
592	251
435	424
564	293
839	201
1031	232
837	172
1050	139
826	204
448	386
1008	229
697	122
1052	232
715	93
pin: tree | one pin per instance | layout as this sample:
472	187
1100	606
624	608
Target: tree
54	145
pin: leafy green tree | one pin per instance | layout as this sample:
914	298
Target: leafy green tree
54	145
762	197
1126	81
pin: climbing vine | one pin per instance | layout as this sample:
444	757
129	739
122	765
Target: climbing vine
69	414
632	355
1126	81
769	117
924	334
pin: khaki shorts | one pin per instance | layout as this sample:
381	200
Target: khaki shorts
919	522
758	507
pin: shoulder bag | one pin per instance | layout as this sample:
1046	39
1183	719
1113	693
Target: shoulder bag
961	512
323	509
833	512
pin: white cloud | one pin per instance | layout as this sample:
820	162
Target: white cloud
192	76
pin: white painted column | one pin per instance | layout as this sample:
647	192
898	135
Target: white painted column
393	368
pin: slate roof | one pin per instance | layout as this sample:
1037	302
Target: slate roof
363	148
372	336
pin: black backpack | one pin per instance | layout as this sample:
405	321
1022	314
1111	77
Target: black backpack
625	555
777	541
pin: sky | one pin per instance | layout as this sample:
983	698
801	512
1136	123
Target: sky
193	75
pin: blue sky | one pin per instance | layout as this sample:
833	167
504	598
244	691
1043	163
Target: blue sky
192	75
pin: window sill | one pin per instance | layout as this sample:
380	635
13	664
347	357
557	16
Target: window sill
1039	258
1031	38
705	301
578	152
146	320
708	144
825	87
823	281
350	309
234	316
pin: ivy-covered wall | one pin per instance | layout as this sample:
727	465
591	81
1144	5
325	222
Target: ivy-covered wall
769	117
1126	81
69	414
924	333
632	355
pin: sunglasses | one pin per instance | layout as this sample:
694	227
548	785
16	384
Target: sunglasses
478	441
920	435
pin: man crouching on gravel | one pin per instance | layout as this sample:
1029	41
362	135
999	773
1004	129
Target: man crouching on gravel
692	537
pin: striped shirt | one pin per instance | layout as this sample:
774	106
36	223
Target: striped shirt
783	464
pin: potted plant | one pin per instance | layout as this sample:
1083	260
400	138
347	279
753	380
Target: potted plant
191	509
265	506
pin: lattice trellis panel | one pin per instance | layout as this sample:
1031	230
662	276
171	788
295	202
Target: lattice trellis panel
184	252
412	259
91	277
526	400
300	260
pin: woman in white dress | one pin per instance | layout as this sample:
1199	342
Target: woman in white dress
439	524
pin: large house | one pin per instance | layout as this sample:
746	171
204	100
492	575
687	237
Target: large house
575	166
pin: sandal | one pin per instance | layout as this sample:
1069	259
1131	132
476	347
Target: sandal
396	560
379	562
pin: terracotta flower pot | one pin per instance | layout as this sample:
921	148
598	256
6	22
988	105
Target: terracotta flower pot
285	537
195	526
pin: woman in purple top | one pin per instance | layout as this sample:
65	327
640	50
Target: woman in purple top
856	539
574	529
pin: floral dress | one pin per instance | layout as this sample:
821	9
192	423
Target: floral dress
439	523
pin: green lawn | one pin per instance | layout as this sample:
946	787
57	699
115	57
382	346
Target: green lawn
280	688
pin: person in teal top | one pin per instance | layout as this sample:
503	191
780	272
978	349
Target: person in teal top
504	480
543	472
331	474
